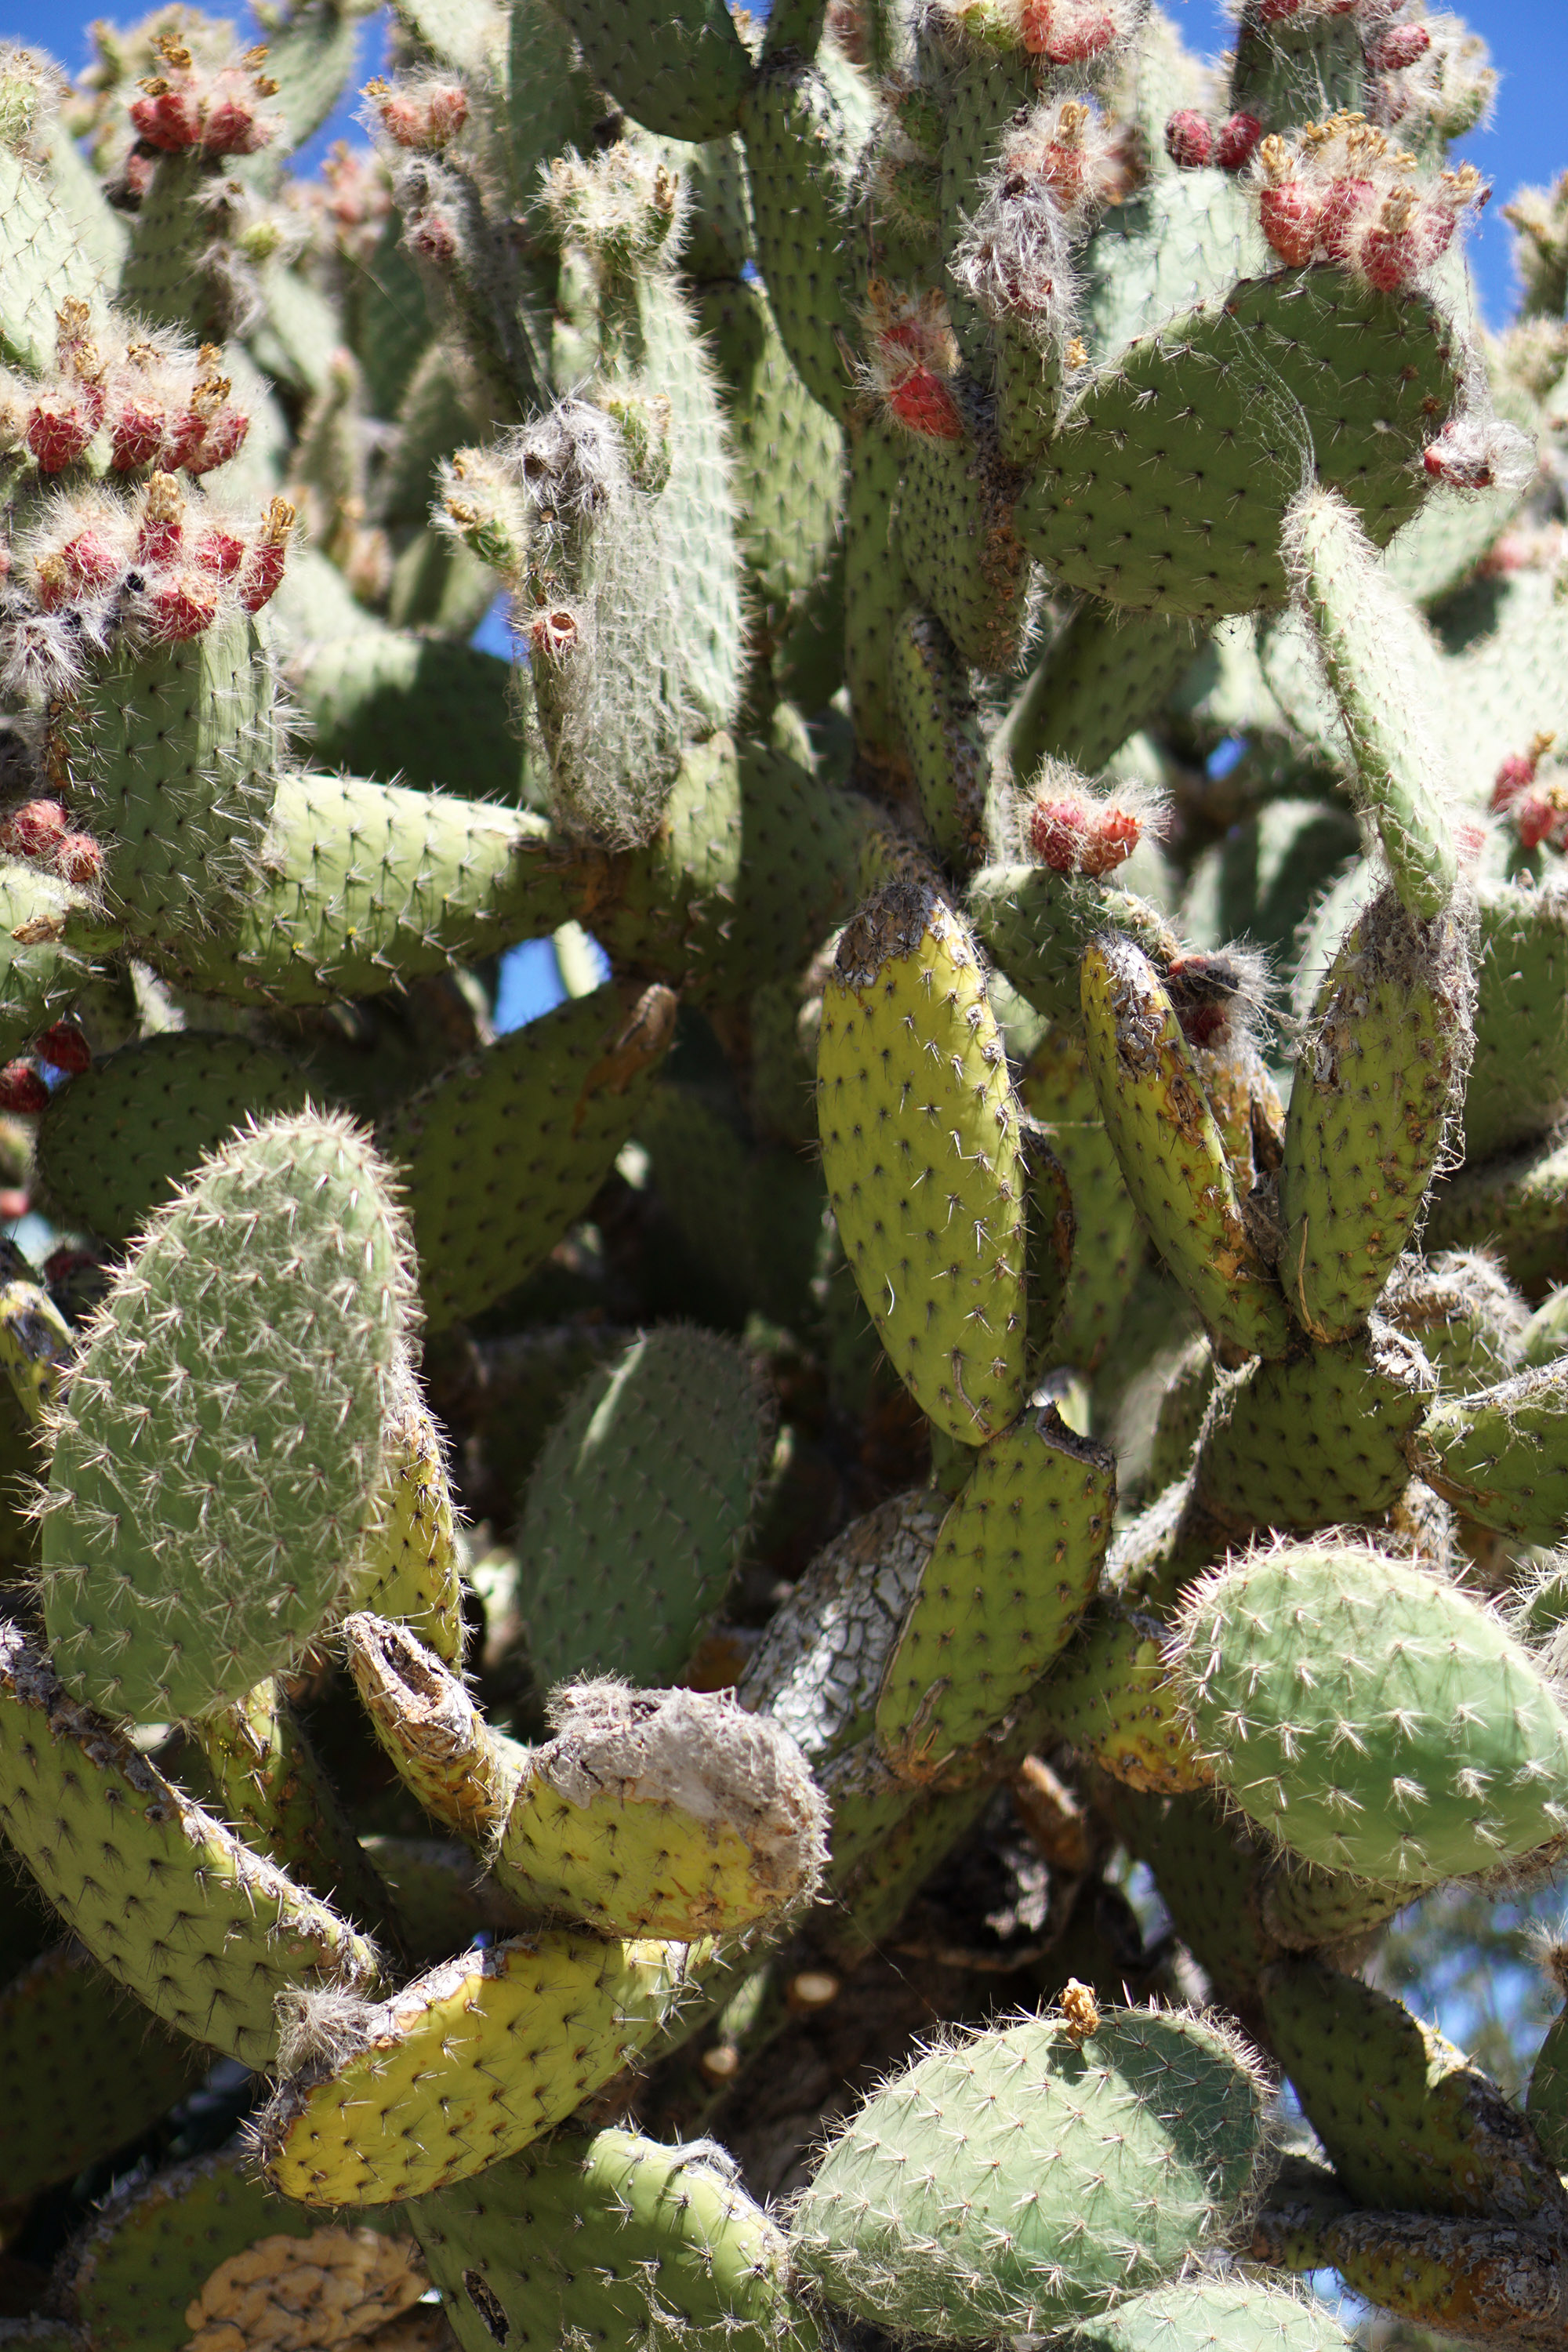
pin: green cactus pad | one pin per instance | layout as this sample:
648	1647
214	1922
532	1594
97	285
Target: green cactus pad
42	264
877	587
1518	1084
1376	1085
1111	1697
920	1147
383	702
1057	1090
1501	1455
84	2076
800	158
411	1570
1017	1559
1407	2119
682	71
1517	1207
1309	1910
1172	1153
936	711
1097	684
1384	672
943	2207
586	2237
204	1932
1211	2315
1461	1758
114	1144
216	1469
638	1508
464	2066
1216	399
1316	1440
168	756
150	2248
505	1150
961	548
362	885
270	1782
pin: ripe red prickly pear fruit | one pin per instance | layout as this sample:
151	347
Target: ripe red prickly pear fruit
1517	773
1189	142
1401	46
218	550
1073	835
425	113
33	830
78	859
60	426
1235	142
265	564
162	531
1291	215
181	607
64	1047
22	1089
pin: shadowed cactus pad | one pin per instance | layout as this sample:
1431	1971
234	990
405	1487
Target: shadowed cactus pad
217	1469
1033	2174
638	1507
1282	1651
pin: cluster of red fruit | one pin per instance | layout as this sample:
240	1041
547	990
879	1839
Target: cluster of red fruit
423	111
1388	48
176	567
1191	141
23	1086
1339	193
39	832
213	110
1057	31
159	406
1537	808
911	356
1073	833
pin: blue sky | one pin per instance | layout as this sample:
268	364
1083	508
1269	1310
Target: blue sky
1528	139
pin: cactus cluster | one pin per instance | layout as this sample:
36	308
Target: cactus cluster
601	1621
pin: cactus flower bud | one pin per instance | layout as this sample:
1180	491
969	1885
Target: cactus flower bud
64	1047
78	859
33	830
162	531
22	1089
1189	141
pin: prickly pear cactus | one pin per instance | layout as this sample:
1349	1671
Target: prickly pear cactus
596	1613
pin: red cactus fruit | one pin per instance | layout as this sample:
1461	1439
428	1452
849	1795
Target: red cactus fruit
1080	836
1189	142
33	830
1290	216
60	426
1235	142
78	859
64	1047
22	1089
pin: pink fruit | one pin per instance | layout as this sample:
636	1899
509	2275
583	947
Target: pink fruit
1516	773
1189	142
218	550
78	859
1075	836
22	1089
90	559
1235	142
222	437
1291	216
1348	202
167	119
33	830
136	437
181	607
233	127
64	1047
924	403
1400	47
60	426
